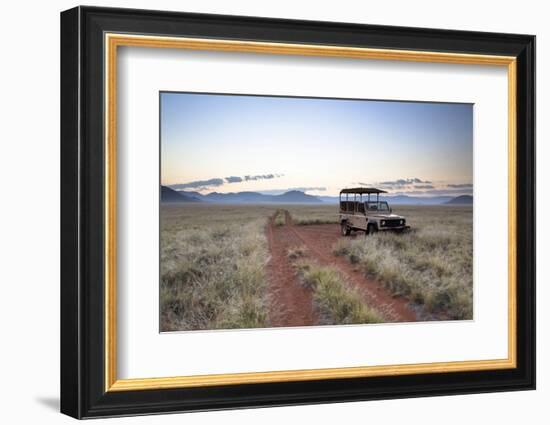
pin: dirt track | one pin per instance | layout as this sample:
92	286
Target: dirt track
293	303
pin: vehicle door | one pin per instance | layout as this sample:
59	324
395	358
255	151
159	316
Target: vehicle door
359	219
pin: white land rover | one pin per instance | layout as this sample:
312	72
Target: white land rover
359	212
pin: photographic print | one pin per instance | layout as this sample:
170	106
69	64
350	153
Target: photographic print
291	211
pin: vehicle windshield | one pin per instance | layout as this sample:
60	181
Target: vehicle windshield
377	206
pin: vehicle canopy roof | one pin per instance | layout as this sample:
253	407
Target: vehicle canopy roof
361	190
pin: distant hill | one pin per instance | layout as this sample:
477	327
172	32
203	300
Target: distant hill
461	200
299	197
399	199
293	196
196	195
417	200
171	195
236	197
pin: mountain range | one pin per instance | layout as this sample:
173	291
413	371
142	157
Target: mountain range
412	200
298	197
170	195
461	200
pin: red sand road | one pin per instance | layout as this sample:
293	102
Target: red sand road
293	306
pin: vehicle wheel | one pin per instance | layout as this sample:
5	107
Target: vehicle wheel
371	228
346	230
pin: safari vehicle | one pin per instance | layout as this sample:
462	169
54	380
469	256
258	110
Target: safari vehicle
359	212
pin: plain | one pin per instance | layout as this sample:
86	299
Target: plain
251	266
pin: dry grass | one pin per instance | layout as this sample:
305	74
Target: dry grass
280	218
313	214
337	302
296	252
213	267
213	260
431	265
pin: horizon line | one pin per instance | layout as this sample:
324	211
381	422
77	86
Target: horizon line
386	194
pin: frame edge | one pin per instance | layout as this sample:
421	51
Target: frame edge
80	395
70	349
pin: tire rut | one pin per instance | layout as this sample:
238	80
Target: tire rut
291	303
319	239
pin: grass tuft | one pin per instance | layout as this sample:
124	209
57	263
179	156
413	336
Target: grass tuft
296	252
280	218
338	303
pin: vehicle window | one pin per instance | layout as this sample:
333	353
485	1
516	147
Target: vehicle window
377	206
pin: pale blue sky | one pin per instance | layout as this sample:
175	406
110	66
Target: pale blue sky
323	144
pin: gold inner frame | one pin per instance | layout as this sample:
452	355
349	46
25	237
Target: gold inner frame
113	41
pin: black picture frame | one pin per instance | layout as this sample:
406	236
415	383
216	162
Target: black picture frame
83	392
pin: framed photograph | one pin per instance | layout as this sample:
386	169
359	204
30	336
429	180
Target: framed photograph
261	212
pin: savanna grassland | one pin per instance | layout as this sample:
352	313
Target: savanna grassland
431	265
313	214
212	264
219	264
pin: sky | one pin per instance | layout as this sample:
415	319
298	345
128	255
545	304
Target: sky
235	143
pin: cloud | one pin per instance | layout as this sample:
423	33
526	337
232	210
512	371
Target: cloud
218	181
418	187
404	182
401	184
262	177
461	185
198	184
436	192
305	189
